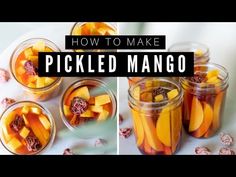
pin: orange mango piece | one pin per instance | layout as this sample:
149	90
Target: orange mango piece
212	73
172	94
150	132
82	92
103	115
102	99
159	98
138	127
176	127
163	127
87	113
136	93
14	144
44	121
207	121
37	128
196	117
217	110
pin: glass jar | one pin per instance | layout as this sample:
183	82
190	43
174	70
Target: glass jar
94	28
27	128
157	122
41	88
201	51
204	101
98	98
133	80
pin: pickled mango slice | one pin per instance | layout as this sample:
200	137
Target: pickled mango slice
196	116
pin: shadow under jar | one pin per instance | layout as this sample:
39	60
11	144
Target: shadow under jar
204	97
87	100
24	68
156	107
27	128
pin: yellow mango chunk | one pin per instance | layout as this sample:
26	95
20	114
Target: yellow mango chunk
35	110
212	73
138	127
198	53
159	98
25	120
34	60
163	127
25	109
44	121
136	93
172	94
87	113
97	109
102	99
101	31
10	117
14	144
196	117
49	80
40	82
213	80
31	85
22	62
39	46
76	31
20	70
82	92
28	52
67	111
103	115
24	132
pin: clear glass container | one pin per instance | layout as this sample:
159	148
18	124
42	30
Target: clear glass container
89	90
204	101
15	142
45	92
157	123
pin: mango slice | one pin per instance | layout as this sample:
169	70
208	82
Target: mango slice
35	110
14	144
196	117
207	121
172	94
198	53
28	52
136	93
217	110
82	92
87	113
102	99
49	80
97	109
24	132
150	132
40	82
25	109
39	46
25	120
159	98
67	111
212	73
146	96
176	127
44	121
103	115
163	127
138	127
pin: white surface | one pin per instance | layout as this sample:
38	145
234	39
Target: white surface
11	34
221	39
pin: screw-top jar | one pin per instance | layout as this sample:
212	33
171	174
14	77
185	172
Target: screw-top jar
156	107
204	97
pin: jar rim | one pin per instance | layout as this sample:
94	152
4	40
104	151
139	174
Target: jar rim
108	23
49	115
188	43
11	63
156	105
184	80
106	89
